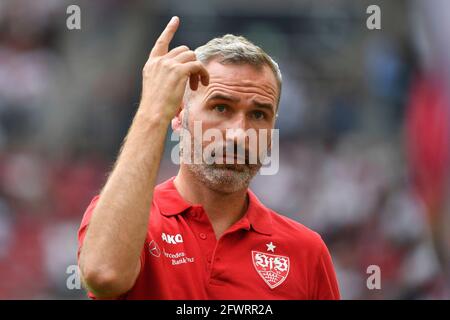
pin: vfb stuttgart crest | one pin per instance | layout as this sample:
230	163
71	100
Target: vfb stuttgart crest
272	268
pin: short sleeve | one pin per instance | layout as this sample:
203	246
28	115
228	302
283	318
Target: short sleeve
85	222
326	285
82	233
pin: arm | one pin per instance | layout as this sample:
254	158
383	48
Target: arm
110	257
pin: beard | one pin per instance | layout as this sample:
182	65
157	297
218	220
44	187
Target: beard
221	177
224	178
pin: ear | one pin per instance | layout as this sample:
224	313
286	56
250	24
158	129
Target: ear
177	120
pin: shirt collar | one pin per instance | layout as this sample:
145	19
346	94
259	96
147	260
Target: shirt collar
171	203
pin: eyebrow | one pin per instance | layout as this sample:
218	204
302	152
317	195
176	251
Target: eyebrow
221	96
260	105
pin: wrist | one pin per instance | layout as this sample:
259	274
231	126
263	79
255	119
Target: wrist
144	116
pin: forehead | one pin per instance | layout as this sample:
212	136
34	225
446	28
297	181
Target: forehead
241	79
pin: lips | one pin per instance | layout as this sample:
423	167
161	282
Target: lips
234	158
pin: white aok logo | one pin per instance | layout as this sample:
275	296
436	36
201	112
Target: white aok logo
173	239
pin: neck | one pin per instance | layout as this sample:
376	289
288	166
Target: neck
222	209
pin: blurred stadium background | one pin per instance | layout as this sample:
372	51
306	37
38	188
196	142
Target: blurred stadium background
364	125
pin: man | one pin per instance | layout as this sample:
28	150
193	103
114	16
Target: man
202	234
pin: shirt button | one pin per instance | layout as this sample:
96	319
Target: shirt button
202	236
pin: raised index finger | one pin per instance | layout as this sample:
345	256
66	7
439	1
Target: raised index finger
161	46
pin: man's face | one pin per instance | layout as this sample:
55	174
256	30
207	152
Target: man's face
239	101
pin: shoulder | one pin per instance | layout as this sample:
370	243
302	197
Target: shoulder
296	233
285	229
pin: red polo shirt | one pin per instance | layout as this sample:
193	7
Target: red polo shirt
262	256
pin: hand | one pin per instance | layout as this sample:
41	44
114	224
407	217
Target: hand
165	75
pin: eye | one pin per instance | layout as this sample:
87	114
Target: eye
259	115
221	108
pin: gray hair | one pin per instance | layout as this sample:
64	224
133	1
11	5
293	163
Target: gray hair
231	49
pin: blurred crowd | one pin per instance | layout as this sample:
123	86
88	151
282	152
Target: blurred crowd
364	129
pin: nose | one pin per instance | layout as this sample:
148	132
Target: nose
237	137
236	129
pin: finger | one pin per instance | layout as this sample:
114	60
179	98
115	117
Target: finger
205	79
193	82
196	67
161	46
185	57
176	51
